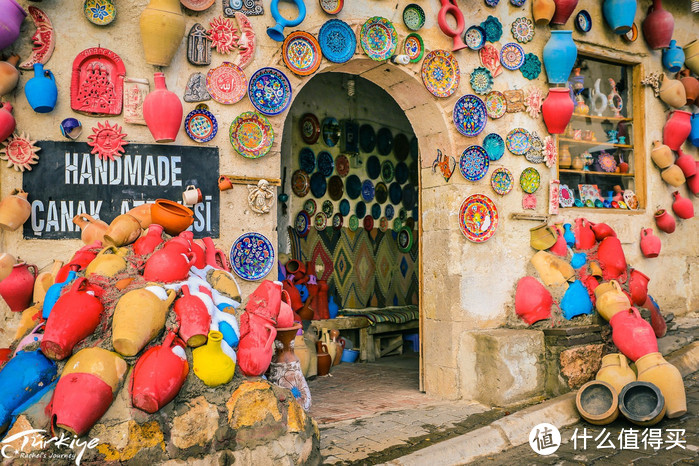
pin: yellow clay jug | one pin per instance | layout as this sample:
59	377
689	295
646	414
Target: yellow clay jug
611	301
542	237
302	352
551	269
211	364
106	365
615	371
108	264
44	281
332	346
7	263
655	369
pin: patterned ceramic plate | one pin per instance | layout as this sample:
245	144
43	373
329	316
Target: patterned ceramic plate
344	207
387	171
414	47
523	30
332	7
511	56
390	211
300	183
326	165
302	223
227	83
320	221
301	53
440	73
583	21
353	223
368	190
470	115
383	224
481	80
397	224
368	222
502	181
478	218
353	186
606	162
566	197
252	256
381	192
328	208
530	180
379	39
405	239
517	2
99	12
336	188
414	17
495	104
269	91
307	160
318	185
200	124
474	163
474	37
251	135
310	128
337	41
535	154
310	206
342	165
518	141
630	199
494	146
337	221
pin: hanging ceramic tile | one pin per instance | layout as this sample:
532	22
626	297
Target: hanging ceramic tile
492	28
20	152
196	89
227	83
43	40
529	202
515	100
135	92
222	33
446	165
554	190
107	141
490	58
531	68
198	46
97	82
246	7
533	100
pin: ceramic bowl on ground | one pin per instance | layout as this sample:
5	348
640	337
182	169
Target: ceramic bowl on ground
597	402
642	403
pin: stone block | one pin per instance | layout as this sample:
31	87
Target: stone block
580	364
196	426
409	93
141	437
438	344
251	404
441	381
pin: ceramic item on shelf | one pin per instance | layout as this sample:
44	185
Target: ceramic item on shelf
331	131
302	224
251	135
310	206
474	37
566	197
492	28
300	183
200	124
474	163
449	7
530	180
494	146
252	256
301	53
162	29
332	7
269	91
502	181
522	30
606	162
440	73
413	16
478	218
518	141
378	38
559	56
490	58
338	41
413	47
495	104
326	165
481	80
226	83
470	115
384	141
658	26
318	185
512	56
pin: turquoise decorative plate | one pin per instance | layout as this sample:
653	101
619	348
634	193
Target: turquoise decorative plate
502	181
494	146
530	180
474	163
270	91
470	115
492	28
414	47
518	141
481	80
414	17
378	38
531	68
337	41
252	256
440	73
251	135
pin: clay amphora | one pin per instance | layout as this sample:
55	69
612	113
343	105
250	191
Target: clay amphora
7	121
75	316
159	374
7	262
564	158
334	335
551	269
664	221
611	301
632	334
532	301
138	317
9	75
564	8
576	301
638	286
602	230
17	288
661	155
450	7
584	236
256	347
14	210
193	317
167	265
123	230
148	242
658	26
615	371
108	264
44	281
303	353
682	207
672	92
560	248
324	359
597	402
330	345
215	257
611	258
92	230
543	11
650	244
286	353
686	163
542	237
691	87
296	268
677	129
655	369
211	364
55	290
82	258
142	214
86	389
162	29
673	176
41	90
162	110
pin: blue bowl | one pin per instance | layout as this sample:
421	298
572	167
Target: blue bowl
350	355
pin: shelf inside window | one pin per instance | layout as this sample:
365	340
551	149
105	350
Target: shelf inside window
578	116
588	172
595	143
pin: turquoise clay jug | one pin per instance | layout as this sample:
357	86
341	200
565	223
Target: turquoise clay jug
576	301
568	235
673	57
619	14
41	90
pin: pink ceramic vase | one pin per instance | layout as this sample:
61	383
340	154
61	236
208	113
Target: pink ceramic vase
557	110
677	129
682	207
632	334
162	111
532	301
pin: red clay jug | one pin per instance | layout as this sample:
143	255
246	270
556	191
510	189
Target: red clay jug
7	121
182	243
159	374
650	244
450	7
148	242
17	288
265	301
168	265
215	257
256	347
658	26
664	221
602	230
162	111
286	314
677	129
638	286
693	182
584	236
691	86
532	301
322	311
564	8
193	317
682	207
557	110
687	164
560	248
296	268
294	295
611	258
324	358
632	334
82	258
75	316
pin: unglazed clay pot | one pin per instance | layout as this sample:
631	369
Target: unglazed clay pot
664	221
324	359
17	288
147	243
543	11
612	301
162	110
564	8
92	229
611	258
672	92
632	334
673	176
655	369
557	110
691	87
303	353
173	217
642	403
551	269
532	301
7	262
108	262
602	230
615	371
682	207
658	26
162	29
597	402
9	75
14	210
650	244
564	158
677	129
142	214
691	56
662	155
638	286
123	230
585	238
138	317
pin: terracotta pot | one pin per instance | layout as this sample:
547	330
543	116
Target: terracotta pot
615	371
335	334
142	214
611	258
564	8
682	207
595	270
92	230
7	262
632	334
664	221
662	155
256	347
162	110
602	230
193	317
597	402
7	121
677	129
642	403
324	359
638	286
17	288
691	56
303	354
14	210
655	369
693	183
672	92
658	26
611	301
9	75
296	268
81	258
551	269
560	248
123	230
673	176
108	262
532	301
650	244
543	11
557	110
564	158
691	87
450	7
687	164
147	243
173	217
162	29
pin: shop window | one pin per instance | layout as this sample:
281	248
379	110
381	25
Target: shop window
600	155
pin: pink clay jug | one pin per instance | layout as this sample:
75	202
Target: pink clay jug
611	258
584	236
632	334
682	206
650	244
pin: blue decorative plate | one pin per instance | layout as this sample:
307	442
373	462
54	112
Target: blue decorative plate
390	211
252	256
302	223
384	141
368	190
474	163
269	91
395	193
353	186
583	21
344	207
337	41
512	56
474	37
307	160
481	80
373	167
367	138
326	165
360	209
402	172
470	115
376	211
200	124
517	2
494	145
318	185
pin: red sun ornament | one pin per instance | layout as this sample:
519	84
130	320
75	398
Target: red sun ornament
223	35
108	141
20	152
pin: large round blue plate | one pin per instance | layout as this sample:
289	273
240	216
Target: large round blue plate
368	190
252	256
470	115
326	165
344	207
395	193
373	167
337	41
269	91
402	172
474	163
353	186
307	160
318	185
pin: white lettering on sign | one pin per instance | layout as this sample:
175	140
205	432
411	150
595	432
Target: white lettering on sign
129	170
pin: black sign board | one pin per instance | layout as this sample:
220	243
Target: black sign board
68	181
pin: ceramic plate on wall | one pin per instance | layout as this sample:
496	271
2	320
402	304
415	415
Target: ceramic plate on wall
402	172
344	207
494	145
332	7
301	53
381	192
518	141
401	146
320	221
310	206
387	171
478	218
414	17
522	30
318	185
511	56
481	80
200	124
307	160
414	47
376	211
338	220
404	239
300	183
331	131
583	21
310	128
99	12
342	165
440	73
353	186
368	190
337	41
353	223
395	193
390	211
252	256
227	83
378	38
368	222
367	138
474	37
335	188
495	104
474	163
470	115
384	141
302	224
328	208
251	135
502	181
269	91
326	165
373	167
530	180
360	209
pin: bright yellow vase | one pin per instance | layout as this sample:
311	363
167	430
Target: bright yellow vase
615	371
211	364
655	369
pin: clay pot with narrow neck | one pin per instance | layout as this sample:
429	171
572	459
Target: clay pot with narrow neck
584	236
682	207
677	129
17	288
615	371
661	155
686	163
92	229
658	26
650	244
638	286
108	262
560	53
142	214
543	11
664	221
324	359
14	210
611	301
673	176
632	334
9	75
564	8
7	121
285	335
602	230
7	262
619	14
655	369
147	243
691	87
162	29
611	258
564	158
162	110
123	230
672	92
693	183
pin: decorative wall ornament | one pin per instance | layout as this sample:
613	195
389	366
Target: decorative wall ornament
554	191
97	83
100	12
490	58
653	80
198	46
532	101
135	92
550	152
223	35
196	89
43	40
515	100
246	7
108	141
246	42
446	164
20	152
529	202
260	197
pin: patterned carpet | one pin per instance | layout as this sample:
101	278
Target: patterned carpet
363	269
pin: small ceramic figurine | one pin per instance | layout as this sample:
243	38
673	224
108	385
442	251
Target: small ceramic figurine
260	197
598	96
615	102
196	89
611	136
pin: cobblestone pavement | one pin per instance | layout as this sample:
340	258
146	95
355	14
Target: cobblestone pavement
573	453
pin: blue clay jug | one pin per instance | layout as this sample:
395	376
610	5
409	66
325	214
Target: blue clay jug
568	235
41	90
54	292
560	53
333	308
576	301
694	134
277	31
229	334
673	57
579	259
619	14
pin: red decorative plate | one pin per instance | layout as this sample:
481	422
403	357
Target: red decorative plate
342	165
227	83
478	218
368	223
310	128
